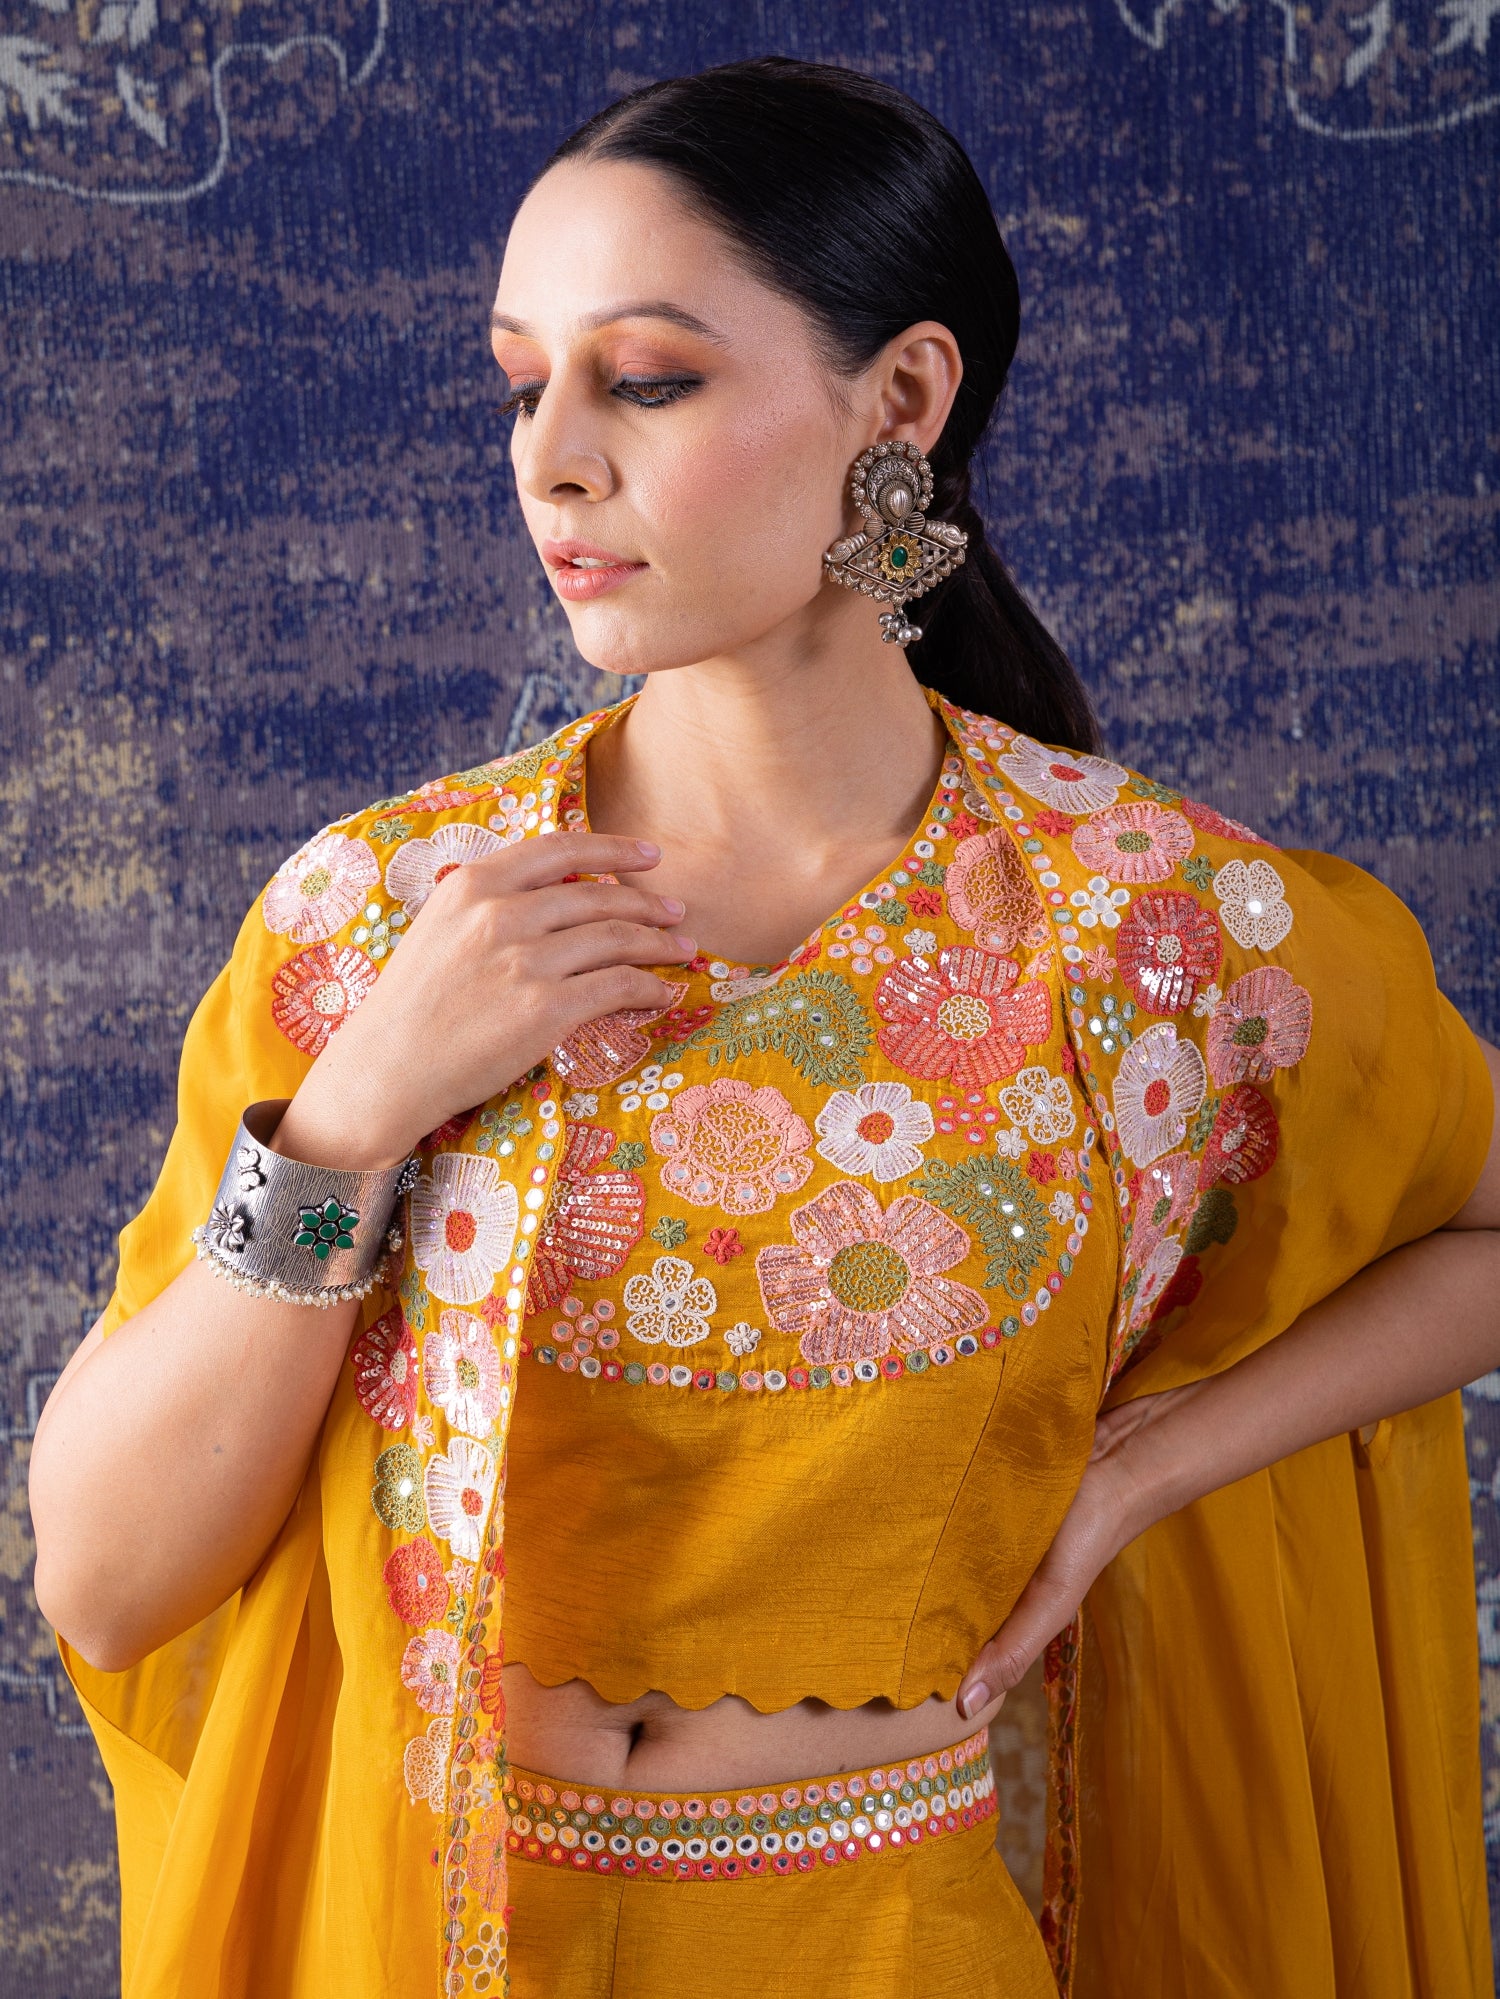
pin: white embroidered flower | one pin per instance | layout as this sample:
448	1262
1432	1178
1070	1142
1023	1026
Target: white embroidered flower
463	1223
1161	1083
319	888
1062	1206
416	869
1252	904
582	1103
420	1431
1010	1144
671	1304
1042	1103
1207	1000
461	1372
459	1484
1063	779
742	1338
876	1128
651	1088
921	943
424	1764
516	817
1157	1273
1099	903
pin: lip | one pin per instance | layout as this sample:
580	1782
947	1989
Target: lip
578	584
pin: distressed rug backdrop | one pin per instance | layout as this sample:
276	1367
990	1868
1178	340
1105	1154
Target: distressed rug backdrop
260	560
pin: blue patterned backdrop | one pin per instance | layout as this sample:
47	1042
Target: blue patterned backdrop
260	560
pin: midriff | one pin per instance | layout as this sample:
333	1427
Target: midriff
570	1731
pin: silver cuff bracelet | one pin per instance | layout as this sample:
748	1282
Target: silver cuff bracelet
308	1235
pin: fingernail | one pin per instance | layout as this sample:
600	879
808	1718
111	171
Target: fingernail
650	849
684	943
672	906
970	1703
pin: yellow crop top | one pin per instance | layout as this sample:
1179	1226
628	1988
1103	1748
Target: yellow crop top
760	1342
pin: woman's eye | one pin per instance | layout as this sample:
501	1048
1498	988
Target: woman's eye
523	400
652	393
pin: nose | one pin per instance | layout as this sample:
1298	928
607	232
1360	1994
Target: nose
557	454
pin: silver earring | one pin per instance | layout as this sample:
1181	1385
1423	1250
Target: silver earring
899	553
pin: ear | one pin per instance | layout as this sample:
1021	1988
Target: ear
917	377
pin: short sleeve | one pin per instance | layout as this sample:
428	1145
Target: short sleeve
1284	1093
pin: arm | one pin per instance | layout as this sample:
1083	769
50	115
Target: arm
169	1454
1419	1322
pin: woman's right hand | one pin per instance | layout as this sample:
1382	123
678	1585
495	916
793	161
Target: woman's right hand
506	958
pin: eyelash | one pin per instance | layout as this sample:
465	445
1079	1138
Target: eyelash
522	402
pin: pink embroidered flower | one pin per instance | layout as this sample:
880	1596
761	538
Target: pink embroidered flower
1064	779
319	888
446	794
1262	1024
876	1128
384	1359
313	994
961	1019
416	869
429	1666
461	1372
1134	843
603	1050
731	1145
1164	1194
415	1584
1169	945
593	1220
1099	965
861	1281
1244	1140
463	1222
1161	1082
1157	1272
990	891
723	1245
1207	820
459	1484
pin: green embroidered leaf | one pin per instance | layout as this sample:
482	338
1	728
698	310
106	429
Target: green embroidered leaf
1202	1124
1199	871
995	1199
814	1019
1215	1219
508	770
1160	794
388	832
670	1232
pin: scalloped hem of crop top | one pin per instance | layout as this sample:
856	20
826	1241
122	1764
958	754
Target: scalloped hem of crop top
785	1829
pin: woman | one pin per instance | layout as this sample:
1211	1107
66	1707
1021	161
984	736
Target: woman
790	1156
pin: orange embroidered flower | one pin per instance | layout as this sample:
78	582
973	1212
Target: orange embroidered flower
384	1359
602	1050
967	1019
1169	946
593	1220
313	994
731	1145
1244	1140
861	1281
723	1245
415	1584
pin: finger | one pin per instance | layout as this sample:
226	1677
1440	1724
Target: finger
534	863
615	989
566	905
590	946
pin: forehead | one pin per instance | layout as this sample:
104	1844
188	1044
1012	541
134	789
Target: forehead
592	235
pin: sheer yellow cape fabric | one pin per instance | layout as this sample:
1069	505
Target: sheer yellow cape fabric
1266	1759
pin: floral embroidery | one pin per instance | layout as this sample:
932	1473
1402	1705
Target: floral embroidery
861	1282
378	934
463	1222
877	1129
1262	1024
384	1359
994	1197
814	1019
742	1338
1062	1207
1207	820
459	1484
317	891
415	1584
1161	1082
921	943
1099	903
593	1221
961	1019
429	1667
1134	843
313	994
652	1088
603	1050
1060	778
1168	945
732	1146
671	1305
415	870
723	1245
423	1764
1156	1273
397	1493
1243	1141
1252	903
670	1231
461	1372
991	893
1042	1103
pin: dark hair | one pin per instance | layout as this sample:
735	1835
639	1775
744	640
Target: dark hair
850	199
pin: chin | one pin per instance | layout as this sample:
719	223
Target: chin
614	640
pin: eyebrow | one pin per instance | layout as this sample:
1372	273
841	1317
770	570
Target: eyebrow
655	308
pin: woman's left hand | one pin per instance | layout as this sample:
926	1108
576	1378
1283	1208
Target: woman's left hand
1110	1507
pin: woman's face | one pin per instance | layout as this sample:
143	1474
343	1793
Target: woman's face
681	450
